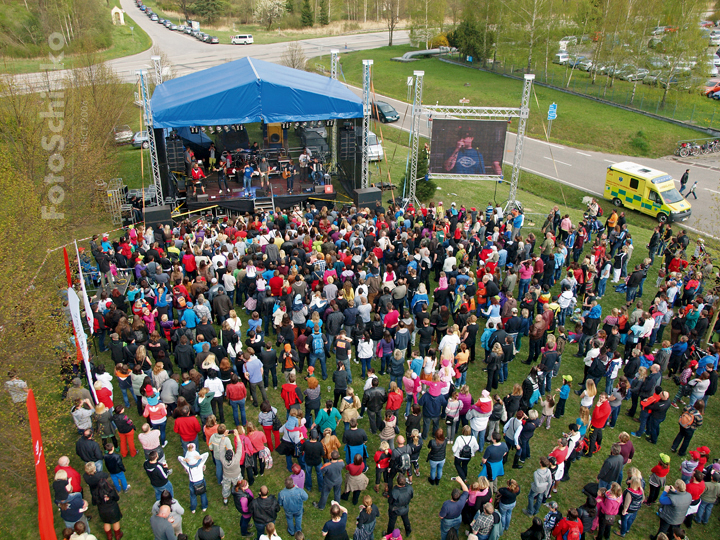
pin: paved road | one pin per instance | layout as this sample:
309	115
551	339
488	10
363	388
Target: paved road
188	55
585	169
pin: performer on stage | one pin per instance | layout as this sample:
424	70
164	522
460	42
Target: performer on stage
198	176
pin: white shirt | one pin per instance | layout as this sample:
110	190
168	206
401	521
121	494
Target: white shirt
449	263
229	282
461	441
195	470
215	385
449	340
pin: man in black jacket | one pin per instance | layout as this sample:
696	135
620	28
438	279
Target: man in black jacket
647	388
611	468
399	505
633	283
658	412
373	401
158	474
313	451
184	354
116	468
264	509
88	450
269	360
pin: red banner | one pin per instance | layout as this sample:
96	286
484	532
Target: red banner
45	508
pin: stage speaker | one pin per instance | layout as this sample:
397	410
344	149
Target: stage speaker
275	134
175	154
158	215
367	197
202	197
162	163
319	189
348	145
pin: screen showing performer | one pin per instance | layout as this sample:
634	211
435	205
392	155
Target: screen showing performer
467	147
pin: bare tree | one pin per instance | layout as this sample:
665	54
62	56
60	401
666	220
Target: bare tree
391	14
294	56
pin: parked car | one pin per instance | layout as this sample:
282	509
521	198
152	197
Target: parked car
652	77
214	39
714	41
384	112
189	31
153	17
561	58
123	134
575	61
173	27
585	65
143	8
567	41
637	74
242	39
715	95
140	140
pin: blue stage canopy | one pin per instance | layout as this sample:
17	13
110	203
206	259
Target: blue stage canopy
250	90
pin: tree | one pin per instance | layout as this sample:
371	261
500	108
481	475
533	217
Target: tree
210	10
472	39
390	14
294	56
427	17
269	11
531	14
183	5
306	14
324	18
290	6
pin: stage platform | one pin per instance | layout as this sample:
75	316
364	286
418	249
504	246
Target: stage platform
237	202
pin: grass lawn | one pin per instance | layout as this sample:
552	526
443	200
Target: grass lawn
581	123
126	42
687	105
538	196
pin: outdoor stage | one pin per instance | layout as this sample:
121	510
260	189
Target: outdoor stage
235	201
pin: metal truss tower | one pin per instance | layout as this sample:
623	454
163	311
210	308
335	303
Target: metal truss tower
365	174
142	76
415	143
334	60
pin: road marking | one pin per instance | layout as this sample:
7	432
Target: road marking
582	188
556	161
607	160
712	190
584	154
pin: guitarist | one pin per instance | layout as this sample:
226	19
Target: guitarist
222	175
289	173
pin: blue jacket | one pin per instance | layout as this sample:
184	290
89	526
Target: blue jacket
595	312
190	317
292	500
432	405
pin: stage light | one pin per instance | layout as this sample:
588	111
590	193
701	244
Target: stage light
218	129
226	128
297	125
202	129
330	123
285	125
241	127
194	130
304	124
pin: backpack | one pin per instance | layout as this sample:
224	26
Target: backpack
465	451
686	419
573	532
404	462
317	343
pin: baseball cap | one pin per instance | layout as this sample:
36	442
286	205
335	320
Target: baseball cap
567	378
664	458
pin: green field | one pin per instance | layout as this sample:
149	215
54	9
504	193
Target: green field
581	123
126	42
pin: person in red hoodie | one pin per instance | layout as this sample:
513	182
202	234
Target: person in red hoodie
599	418
291	394
276	283
570	527
187	426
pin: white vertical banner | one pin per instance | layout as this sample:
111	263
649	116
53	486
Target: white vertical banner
74	305
86	301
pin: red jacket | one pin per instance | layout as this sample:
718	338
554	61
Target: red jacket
394	401
236	392
565	525
600	415
105	396
187	427
72	475
289	394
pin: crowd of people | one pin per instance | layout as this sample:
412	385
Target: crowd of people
249	315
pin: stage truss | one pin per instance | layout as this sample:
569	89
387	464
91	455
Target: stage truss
462	111
147	113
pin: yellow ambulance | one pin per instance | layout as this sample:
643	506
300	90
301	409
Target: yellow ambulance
647	190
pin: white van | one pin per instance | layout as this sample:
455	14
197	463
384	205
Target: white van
561	58
242	39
